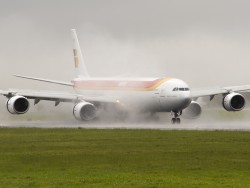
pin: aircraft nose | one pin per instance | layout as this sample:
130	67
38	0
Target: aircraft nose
186	100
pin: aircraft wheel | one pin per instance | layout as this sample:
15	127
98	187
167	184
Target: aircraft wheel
178	120
173	120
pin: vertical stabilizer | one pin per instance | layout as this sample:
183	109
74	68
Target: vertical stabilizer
80	67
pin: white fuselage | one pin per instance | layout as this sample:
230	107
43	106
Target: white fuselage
150	94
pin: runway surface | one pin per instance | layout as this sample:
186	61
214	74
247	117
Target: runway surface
130	125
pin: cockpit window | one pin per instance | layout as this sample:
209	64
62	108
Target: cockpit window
181	89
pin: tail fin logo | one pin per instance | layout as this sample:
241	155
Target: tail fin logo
76	58
80	67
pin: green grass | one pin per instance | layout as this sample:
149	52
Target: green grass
123	158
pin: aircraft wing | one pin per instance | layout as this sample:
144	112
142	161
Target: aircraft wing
56	96
45	80
202	92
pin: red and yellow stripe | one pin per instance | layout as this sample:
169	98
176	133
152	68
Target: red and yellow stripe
119	84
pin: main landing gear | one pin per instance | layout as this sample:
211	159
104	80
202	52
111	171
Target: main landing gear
176	119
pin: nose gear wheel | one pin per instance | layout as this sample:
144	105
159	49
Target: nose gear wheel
176	119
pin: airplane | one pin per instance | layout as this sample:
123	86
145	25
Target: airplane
123	96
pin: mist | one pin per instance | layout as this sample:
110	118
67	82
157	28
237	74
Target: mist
205	43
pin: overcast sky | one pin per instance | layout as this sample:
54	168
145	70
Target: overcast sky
205	43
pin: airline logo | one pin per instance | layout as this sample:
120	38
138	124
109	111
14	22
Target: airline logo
76	58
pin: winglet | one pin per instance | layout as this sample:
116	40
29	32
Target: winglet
80	67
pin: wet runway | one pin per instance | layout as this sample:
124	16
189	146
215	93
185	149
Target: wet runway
130	125
210	120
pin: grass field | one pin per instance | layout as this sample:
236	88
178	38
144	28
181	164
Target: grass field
123	158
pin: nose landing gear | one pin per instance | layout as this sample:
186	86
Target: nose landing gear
176	119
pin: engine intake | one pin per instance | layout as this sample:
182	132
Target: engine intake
234	102
84	111
18	105
192	111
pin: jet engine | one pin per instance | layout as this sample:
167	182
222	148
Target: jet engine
84	111
192	111
18	105
234	102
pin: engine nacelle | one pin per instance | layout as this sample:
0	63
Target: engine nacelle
18	105
192	111
234	102
84	111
